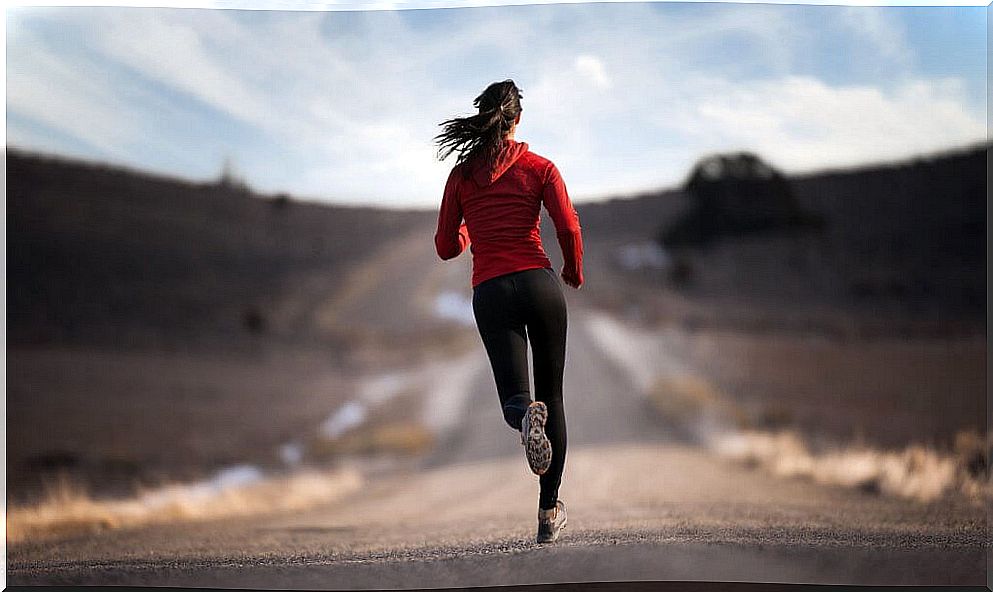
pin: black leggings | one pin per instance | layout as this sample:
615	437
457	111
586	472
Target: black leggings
510	310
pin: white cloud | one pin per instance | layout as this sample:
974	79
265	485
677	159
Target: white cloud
871	23
71	97
801	123
592	69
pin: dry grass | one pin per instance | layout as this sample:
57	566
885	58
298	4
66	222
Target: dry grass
917	472
68	509
398	437
693	400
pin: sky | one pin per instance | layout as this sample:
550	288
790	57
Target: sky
343	106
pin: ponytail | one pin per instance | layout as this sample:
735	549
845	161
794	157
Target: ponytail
481	134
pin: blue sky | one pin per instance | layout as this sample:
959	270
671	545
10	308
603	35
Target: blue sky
343	106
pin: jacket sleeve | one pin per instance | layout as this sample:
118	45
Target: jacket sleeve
566	220
452	237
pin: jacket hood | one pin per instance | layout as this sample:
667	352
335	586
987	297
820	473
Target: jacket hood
486	173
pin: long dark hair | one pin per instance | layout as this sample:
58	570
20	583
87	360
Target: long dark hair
481	134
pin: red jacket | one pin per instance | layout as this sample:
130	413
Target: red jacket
501	205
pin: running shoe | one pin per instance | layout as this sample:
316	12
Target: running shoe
551	522
537	446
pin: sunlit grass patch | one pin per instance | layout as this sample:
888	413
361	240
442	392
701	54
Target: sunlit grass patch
405	438
919	472
765	439
690	399
68	509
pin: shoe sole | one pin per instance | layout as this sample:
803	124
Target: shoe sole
558	532
537	446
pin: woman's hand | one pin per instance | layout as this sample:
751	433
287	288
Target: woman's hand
571	279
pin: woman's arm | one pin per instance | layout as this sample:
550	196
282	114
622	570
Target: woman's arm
452	237
567	228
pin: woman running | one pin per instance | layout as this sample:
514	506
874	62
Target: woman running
497	188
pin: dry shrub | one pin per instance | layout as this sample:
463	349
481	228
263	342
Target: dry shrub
973	451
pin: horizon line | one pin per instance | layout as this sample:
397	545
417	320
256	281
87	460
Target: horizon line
986	145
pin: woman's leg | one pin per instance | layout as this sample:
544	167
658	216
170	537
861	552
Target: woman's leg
504	336
547	319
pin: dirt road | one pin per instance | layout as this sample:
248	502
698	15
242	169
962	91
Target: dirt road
645	503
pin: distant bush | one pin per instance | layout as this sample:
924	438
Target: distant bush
253	320
735	194
281	201
681	272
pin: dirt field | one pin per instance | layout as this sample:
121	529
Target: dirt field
885	393
113	419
